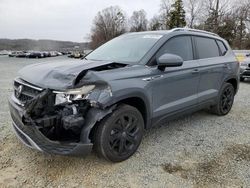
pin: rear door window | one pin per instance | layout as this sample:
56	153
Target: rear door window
206	48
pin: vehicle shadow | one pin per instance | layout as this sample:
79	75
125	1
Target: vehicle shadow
166	143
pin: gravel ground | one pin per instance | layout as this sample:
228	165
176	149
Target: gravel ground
200	150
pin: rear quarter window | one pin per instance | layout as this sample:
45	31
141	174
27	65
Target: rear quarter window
222	47
206	48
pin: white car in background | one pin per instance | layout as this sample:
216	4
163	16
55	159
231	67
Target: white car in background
245	69
4	52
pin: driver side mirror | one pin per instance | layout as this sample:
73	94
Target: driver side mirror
169	60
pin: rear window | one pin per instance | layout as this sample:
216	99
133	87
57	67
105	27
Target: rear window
222	47
206	48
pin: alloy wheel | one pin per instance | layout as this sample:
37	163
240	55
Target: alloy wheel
227	100
124	136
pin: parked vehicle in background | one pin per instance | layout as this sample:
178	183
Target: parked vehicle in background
27	54
46	54
243	57
59	53
53	54
71	55
4	52
65	53
22	54
245	68
15	53
129	84
35	55
12	54
76	55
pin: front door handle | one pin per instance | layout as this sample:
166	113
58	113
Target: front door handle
152	78
195	71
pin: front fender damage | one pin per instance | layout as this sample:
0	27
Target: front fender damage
101	96
94	115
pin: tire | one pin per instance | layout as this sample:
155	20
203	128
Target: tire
242	79
225	100
116	139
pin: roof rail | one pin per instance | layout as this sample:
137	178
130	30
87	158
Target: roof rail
193	30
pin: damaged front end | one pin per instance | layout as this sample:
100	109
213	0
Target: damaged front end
59	122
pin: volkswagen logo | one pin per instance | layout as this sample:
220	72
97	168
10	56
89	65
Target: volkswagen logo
19	91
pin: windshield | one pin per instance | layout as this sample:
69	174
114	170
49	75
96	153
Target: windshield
127	48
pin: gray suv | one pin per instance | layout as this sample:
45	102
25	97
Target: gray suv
130	84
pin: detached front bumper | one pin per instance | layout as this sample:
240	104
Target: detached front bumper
33	138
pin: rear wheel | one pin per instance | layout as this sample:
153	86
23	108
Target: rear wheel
119	135
242	79
225	100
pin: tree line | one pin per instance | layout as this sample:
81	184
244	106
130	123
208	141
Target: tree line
228	18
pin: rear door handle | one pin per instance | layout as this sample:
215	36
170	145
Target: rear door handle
195	71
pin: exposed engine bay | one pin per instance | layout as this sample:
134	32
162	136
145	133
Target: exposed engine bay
57	122
68	121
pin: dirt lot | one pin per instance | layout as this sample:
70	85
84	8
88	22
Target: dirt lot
201	150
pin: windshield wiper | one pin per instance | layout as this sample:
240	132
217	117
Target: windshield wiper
84	57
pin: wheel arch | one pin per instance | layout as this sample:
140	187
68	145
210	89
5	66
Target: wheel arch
137	98
139	104
234	83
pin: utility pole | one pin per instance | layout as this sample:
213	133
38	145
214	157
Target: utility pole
216	21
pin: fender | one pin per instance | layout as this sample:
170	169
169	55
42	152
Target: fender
105	101
136	93
226	79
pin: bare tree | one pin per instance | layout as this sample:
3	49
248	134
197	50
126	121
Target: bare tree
108	23
242	14
138	21
228	18
216	10
194	10
155	23
165	8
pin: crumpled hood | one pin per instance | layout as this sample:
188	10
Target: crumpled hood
57	75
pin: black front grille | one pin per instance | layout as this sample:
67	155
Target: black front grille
246	73
22	97
24	91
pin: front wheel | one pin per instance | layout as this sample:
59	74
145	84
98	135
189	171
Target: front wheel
225	100
242	79
119	135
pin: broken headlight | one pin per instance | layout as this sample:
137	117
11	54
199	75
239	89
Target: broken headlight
72	94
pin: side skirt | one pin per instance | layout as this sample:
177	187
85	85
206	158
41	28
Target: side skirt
156	121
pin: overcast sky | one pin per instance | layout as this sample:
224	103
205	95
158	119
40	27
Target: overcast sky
68	20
